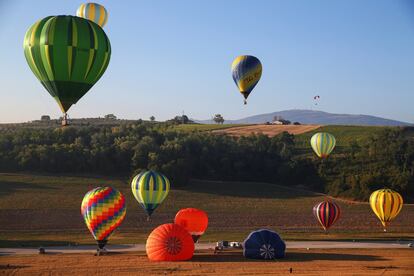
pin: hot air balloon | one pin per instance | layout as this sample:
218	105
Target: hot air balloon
323	144
264	244
326	213
103	210
246	71
68	54
316	99
193	220
169	242
150	189
94	12
386	204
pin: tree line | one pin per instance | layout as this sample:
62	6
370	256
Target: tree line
385	159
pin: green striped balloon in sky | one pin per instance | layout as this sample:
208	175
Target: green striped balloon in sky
68	54
150	188
323	144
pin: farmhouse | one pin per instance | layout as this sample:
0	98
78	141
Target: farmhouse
281	122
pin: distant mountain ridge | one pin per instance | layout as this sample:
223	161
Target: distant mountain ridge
316	117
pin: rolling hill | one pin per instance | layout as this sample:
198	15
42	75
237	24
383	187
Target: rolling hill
317	118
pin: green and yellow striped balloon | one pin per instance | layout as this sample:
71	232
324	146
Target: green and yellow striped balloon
150	189
386	205
323	144
68	54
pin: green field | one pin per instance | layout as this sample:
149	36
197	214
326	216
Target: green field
344	134
45	210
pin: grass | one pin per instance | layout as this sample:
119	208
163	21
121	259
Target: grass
44	210
344	134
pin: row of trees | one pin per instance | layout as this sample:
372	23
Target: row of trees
127	148
383	160
386	159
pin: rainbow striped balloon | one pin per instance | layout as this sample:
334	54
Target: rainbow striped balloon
246	71
94	12
386	205
323	144
150	189
326	213
103	210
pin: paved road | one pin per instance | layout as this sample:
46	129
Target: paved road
141	247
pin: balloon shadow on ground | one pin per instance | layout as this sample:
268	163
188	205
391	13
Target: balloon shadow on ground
57	247
34	243
8	266
314	256
246	189
290	257
10	187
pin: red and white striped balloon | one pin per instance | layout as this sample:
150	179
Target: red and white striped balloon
326	213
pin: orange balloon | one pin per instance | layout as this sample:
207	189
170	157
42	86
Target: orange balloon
169	242
193	220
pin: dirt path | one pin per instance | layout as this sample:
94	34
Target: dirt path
297	261
210	246
270	130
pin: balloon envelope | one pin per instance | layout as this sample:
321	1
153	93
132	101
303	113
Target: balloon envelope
386	204
169	242
323	144
103	210
94	12
68	55
264	244
193	220
150	188
246	71
327	213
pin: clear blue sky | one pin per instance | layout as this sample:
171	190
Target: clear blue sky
170	56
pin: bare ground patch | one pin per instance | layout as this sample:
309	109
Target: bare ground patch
304	262
269	130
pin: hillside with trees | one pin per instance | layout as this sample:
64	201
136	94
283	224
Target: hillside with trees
384	158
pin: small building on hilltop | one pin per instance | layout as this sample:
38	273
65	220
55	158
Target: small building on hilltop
281	122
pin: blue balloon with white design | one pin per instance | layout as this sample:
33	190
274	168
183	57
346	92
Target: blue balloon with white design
264	244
